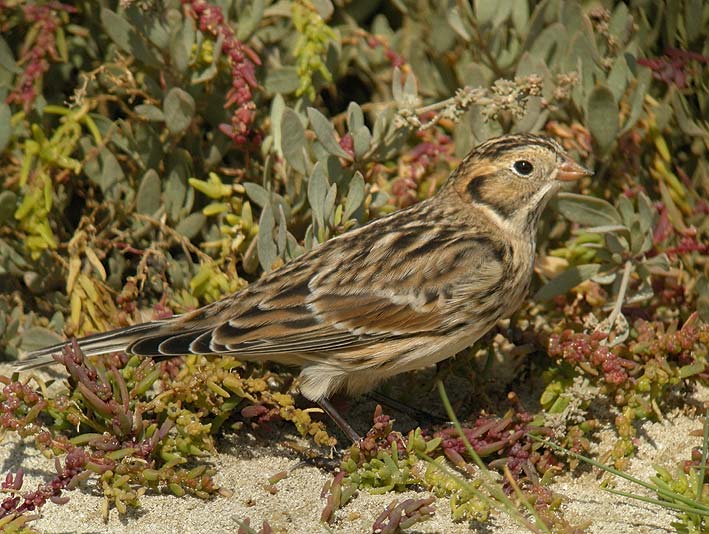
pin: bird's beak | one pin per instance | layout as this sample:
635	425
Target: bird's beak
570	171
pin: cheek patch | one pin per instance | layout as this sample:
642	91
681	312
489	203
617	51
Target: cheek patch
505	199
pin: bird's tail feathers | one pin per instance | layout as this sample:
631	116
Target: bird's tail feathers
104	343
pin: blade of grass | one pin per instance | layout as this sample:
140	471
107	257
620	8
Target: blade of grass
705	451
491	485
697	506
650	500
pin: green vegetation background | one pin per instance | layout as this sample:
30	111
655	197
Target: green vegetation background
158	155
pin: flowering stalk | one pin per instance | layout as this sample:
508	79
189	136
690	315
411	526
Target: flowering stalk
39	48
243	60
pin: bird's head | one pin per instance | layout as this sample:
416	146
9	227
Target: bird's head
513	177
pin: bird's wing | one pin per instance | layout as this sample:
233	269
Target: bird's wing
347	294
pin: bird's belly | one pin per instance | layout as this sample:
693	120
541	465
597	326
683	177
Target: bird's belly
433	350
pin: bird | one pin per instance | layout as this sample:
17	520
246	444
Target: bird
402	292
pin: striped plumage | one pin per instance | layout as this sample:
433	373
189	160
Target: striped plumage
399	293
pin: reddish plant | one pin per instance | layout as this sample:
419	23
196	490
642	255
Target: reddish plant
243	59
38	51
674	67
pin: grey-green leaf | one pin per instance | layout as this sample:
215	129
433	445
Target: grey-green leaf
265	245
178	108
355	116
191	225
329	203
326	134
317	192
277	107
361	139
177	191
602	116
485	10
282	239
257	194
293	140
324	8
355	196
124	34
455	21
8	205
646	212
637	101
37	337
181	42
625	207
7	59
283	80
111	171
5	126
148	201
588	211
616	244
566	280
150	112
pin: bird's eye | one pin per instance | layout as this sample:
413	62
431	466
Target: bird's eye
523	167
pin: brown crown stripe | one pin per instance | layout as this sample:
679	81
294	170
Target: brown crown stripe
497	147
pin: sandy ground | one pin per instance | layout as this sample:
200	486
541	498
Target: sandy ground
245	464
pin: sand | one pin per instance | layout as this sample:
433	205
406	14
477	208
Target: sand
245	463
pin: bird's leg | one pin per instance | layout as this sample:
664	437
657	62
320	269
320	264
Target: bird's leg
330	410
413	412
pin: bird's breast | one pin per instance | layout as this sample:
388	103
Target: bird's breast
491	295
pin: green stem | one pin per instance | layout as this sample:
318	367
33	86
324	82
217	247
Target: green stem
621	295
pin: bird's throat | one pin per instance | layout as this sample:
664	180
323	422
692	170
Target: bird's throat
518	207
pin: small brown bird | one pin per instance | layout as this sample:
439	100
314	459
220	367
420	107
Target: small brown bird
400	293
